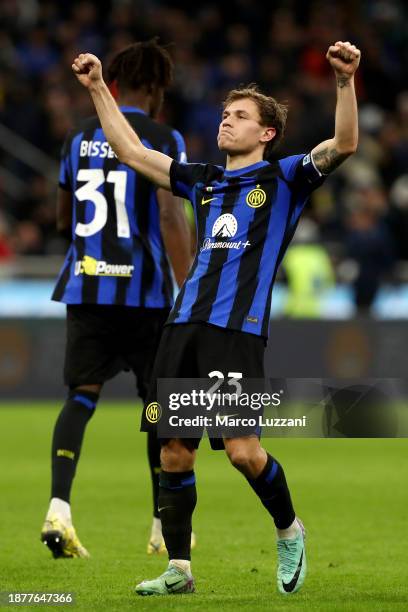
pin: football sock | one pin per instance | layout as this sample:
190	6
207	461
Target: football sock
177	500
62	508
153	454
67	440
156	533
272	490
182	564
290	533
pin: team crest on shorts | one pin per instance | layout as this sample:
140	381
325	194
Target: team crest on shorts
256	197
153	412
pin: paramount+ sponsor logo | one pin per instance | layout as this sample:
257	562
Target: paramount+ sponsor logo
223	232
94	267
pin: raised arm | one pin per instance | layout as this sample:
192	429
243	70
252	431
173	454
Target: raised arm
344	58
120	135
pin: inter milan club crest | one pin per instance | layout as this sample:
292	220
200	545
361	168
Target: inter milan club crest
256	197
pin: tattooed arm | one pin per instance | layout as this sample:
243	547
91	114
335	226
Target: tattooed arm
329	154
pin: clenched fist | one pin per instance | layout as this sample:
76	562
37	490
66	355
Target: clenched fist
344	58
87	69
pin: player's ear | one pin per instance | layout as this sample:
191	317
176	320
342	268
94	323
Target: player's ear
268	134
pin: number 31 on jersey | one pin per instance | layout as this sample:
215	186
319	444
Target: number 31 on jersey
94	178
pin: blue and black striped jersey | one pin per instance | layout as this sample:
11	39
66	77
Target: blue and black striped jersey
245	220
117	254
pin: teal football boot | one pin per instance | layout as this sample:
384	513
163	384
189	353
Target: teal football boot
292	562
174	581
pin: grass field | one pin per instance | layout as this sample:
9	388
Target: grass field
352	496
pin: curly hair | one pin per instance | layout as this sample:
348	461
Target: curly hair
141	64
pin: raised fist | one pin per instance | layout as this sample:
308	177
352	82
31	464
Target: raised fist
87	69
344	58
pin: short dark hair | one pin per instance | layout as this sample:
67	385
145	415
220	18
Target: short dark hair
142	65
272	113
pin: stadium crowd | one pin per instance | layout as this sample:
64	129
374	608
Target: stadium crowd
362	210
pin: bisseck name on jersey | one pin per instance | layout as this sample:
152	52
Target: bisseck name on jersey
96	148
94	267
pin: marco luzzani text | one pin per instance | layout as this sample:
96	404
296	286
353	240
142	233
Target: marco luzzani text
216	402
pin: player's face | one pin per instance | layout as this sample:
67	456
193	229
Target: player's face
240	130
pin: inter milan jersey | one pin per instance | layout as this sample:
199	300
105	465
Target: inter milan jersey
245	220
117	254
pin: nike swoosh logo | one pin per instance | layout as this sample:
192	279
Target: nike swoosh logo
204	201
173	584
164	508
289	586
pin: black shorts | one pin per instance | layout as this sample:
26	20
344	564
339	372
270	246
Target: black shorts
104	340
193	350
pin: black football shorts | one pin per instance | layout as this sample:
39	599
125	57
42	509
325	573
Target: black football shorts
193	351
104	340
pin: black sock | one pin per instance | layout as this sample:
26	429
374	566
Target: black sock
153	454
67	440
272	490
177	500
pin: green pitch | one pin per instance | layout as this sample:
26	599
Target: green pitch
352	496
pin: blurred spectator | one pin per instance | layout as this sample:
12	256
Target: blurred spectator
26	239
36	55
309	272
369	242
5	246
399	215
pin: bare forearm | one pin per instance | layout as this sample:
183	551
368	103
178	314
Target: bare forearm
117	130
328	155
346	125
154	165
179	263
175	231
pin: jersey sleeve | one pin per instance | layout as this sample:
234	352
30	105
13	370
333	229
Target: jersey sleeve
184	177
177	147
65	173
301	173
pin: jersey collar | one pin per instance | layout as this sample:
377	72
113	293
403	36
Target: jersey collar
246	169
132	109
